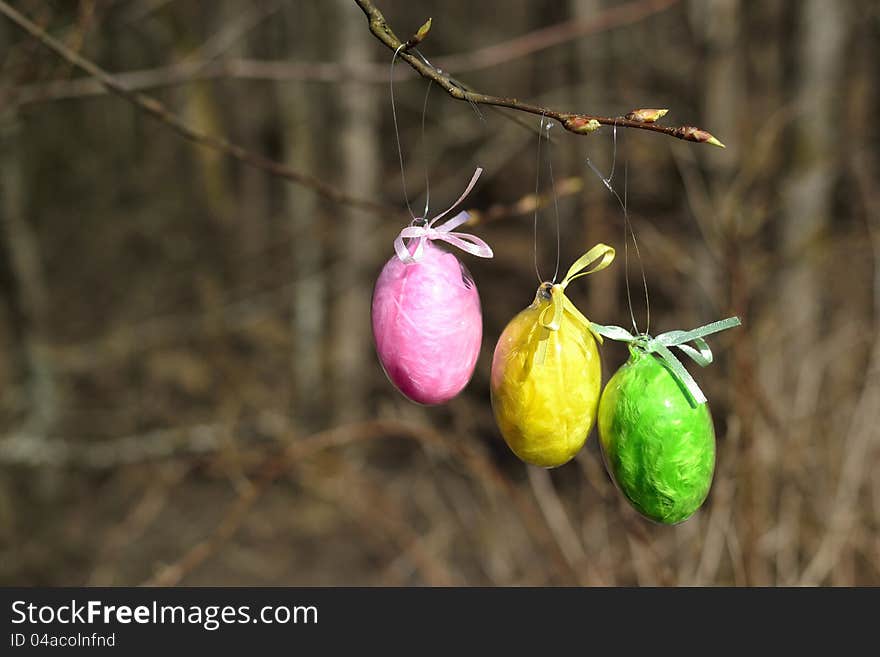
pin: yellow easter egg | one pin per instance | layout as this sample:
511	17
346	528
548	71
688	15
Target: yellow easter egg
546	382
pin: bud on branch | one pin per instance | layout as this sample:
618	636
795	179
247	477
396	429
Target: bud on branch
690	133
419	36
647	115
581	124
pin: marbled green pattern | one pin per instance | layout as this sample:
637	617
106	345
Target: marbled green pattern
658	447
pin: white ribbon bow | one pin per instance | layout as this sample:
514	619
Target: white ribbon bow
464	241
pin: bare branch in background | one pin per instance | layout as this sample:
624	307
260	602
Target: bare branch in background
35	451
299	449
553	35
157	110
199	68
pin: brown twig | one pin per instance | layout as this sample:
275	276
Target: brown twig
381	515
576	123
157	110
138	519
526	204
301	448
556	517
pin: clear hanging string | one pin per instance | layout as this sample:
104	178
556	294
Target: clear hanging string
422	228
421	139
424	150
454	83
544	134
628	234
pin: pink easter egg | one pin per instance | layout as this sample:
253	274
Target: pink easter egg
427	325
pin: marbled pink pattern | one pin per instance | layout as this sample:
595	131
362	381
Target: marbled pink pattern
427	325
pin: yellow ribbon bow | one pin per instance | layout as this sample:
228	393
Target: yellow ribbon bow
596	259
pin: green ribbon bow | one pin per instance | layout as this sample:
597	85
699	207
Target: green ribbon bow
661	344
600	256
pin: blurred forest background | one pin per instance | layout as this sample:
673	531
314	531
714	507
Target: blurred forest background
188	388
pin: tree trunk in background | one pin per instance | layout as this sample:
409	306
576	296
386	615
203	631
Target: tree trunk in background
360	170
806	206
772	466
250	114
307	237
722	91
599	224
808	193
550	75
26	294
200	109
723	79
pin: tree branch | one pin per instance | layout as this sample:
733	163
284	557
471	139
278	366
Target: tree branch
158	111
576	123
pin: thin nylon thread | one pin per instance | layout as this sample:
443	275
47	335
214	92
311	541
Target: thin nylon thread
474	106
545	126
537	188
397	131
421	137
628	232
425	151
555	201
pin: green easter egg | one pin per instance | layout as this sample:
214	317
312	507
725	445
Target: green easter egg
658	446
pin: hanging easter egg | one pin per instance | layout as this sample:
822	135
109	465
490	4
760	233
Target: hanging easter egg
655	428
427	325
426	316
658	448
546	374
